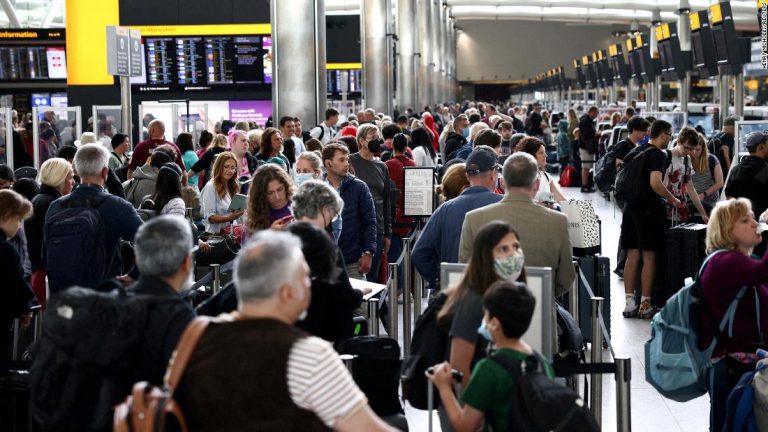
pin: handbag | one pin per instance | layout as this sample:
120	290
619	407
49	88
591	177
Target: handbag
566	177
583	226
149	408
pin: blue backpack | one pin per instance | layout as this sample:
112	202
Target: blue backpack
741	401
74	244
674	364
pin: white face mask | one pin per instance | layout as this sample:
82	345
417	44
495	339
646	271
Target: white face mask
302	178
510	267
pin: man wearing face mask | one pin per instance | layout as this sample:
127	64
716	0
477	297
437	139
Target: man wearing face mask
255	368
458	137
374	173
544	232
118	218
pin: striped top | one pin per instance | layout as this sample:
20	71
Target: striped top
319	382
702	181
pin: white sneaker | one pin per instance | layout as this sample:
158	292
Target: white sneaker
630	307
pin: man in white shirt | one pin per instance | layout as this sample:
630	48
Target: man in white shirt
324	131
257	369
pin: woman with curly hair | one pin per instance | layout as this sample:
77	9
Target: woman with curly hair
269	199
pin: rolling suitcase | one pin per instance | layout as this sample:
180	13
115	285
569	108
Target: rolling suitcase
684	252
597	272
376	370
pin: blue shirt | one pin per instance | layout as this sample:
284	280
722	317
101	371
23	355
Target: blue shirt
439	242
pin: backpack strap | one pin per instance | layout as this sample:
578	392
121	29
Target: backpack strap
712	161
184	350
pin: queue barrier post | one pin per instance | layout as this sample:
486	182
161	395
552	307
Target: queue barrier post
596	354
216	284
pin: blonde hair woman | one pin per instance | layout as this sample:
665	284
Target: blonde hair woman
732	234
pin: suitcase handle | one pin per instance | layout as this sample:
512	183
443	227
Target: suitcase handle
458	376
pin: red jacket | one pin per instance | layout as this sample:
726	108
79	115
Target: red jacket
401	225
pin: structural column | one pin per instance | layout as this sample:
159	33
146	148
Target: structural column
424	16
440	64
684	36
377	56
435	40
298	59
407	61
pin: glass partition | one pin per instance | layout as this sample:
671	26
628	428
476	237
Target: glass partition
6	137
678	120
174	117
706	121
107	121
53	128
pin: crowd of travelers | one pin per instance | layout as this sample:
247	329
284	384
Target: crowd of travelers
305	213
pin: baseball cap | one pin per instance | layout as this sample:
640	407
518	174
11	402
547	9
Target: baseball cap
754	139
481	160
730	121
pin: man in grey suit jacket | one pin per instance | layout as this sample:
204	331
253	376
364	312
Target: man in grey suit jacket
543	232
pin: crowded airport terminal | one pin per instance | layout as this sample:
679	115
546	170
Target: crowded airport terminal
384	215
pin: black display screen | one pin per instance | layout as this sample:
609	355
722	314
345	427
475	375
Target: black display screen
201	63
721	47
698	49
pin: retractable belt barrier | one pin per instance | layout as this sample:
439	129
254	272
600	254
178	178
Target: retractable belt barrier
620	366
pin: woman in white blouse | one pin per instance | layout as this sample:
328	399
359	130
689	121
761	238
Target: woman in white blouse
548	190
217	195
421	144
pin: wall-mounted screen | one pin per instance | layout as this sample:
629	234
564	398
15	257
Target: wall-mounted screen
335	83
205	62
32	55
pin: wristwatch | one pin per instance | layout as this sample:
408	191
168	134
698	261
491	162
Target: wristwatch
369	253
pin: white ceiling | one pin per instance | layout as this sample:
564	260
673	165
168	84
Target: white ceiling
32	14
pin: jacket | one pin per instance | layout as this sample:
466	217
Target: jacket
563	142
142	184
33	227
749	179
16	294
453	142
396	166
167	319
543	235
358	231
439	242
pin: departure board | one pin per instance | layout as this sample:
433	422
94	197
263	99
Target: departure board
32	55
205	62
159	61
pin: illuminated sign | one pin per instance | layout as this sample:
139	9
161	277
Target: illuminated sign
694	20
715	14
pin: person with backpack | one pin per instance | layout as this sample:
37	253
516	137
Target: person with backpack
563	143
82	231
144	180
644	218
722	144
17	292
677	178
324	131
707	176
732	233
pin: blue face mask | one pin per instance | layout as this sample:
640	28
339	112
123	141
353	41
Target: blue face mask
336	228
484	332
465	132
301	178
645	139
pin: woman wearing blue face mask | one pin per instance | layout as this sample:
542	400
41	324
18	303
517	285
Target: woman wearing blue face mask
496	255
308	167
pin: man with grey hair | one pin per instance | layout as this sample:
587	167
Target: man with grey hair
164	247
67	253
257	369
543	232
368	168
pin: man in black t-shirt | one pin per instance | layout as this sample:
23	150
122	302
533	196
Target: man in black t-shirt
533	124
722	144
643	222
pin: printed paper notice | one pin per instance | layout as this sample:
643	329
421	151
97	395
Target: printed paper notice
418	192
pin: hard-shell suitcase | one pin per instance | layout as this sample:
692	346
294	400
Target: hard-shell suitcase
597	272
376	370
685	251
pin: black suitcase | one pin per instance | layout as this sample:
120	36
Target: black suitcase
376	370
597	272
685	249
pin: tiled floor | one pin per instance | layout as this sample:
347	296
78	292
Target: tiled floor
650	411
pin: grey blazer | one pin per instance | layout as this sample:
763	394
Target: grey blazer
543	235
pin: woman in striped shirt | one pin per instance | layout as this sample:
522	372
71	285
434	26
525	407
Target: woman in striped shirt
707	177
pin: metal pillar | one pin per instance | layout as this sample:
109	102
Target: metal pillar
623	408
725	97
596	356
407	290
377	64
435	40
684	36
298	44
738	95
392	297
684	92
628	93
406	79
423	15
657	92
126	108
216	282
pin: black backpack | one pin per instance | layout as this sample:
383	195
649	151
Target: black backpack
428	348
74	244
605	170
629	186
88	357
540	403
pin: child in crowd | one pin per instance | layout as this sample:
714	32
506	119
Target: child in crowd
508	309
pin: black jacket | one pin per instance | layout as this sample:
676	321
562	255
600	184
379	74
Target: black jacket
16	294
749	179
33	226
166	321
453	142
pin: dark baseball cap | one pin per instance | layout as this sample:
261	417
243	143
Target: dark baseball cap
730	121
754	139
481	160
